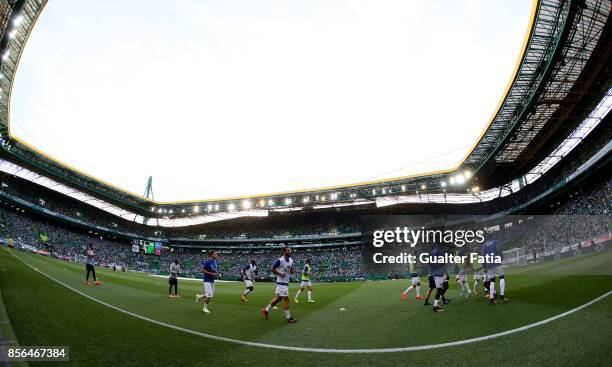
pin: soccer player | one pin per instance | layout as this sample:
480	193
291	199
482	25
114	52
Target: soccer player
486	283
432	286
477	277
463	284
175	270
462	276
494	269
283	268
89	266
248	275
415	279
306	283
445	287
209	269
438	273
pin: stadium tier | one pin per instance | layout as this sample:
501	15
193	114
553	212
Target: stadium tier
337	254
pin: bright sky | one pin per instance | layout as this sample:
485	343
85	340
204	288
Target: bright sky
222	98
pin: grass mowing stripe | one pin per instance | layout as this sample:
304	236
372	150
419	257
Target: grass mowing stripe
7	334
325	350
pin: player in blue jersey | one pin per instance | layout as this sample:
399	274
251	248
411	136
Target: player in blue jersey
438	275
491	250
248	275
445	287
209	269
283	268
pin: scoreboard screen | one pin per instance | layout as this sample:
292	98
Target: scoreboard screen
147	247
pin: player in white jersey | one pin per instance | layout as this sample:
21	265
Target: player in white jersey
494	269
415	280
463	283
283	268
462	276
175	271
478	277
248	275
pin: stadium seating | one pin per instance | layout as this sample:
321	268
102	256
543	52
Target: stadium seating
335	263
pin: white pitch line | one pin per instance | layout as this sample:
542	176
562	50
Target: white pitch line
193	279
325	350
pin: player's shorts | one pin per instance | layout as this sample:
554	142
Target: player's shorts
461	277
209	289
172	281
439	281
432	282
305	283
248	283
477	276
488	277
282	290
415	280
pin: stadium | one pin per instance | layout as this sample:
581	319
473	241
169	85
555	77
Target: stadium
535	186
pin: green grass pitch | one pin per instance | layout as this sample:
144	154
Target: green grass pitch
43	312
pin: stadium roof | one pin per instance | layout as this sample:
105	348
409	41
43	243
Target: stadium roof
562	79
